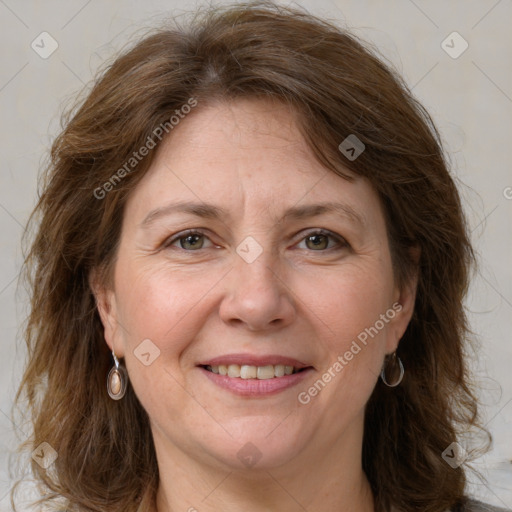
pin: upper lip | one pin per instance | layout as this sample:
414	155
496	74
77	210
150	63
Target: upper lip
254	360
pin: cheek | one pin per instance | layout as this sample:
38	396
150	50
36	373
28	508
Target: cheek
353	307
158	302
346	308
351	300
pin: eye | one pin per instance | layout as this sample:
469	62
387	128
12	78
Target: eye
194	240
188	241
319	240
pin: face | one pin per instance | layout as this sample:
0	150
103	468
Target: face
274	265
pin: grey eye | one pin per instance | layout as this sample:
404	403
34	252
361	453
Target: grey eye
193	242
317	241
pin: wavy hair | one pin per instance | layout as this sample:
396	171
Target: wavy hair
337	86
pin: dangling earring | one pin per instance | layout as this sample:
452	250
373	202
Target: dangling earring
116	380
395	361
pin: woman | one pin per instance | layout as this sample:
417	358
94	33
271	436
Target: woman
247	282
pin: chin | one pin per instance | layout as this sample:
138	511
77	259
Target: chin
259	443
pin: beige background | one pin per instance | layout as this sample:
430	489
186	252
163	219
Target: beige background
470	98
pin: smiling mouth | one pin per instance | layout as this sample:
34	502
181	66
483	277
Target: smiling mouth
254	372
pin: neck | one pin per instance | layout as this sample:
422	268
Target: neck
317	479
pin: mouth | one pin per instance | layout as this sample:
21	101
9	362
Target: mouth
254	376
246	371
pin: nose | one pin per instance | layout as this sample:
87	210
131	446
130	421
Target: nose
256	296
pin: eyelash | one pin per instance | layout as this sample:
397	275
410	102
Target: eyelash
189	232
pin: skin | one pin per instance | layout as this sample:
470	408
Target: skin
296	299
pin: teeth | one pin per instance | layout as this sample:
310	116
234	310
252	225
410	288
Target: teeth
265	372
279	370
234	370
246	371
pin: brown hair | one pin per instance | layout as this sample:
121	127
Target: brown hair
337	86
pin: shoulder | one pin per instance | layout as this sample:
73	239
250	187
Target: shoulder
477	506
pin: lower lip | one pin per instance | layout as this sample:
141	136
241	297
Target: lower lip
256	387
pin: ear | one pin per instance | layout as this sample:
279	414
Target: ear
106	305
404	301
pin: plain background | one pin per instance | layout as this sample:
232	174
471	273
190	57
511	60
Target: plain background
469	97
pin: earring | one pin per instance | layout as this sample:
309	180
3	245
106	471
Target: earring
116	380
395	361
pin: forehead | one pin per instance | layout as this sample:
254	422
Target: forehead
226	135
247	153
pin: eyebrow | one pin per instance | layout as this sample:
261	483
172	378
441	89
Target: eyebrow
206	210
